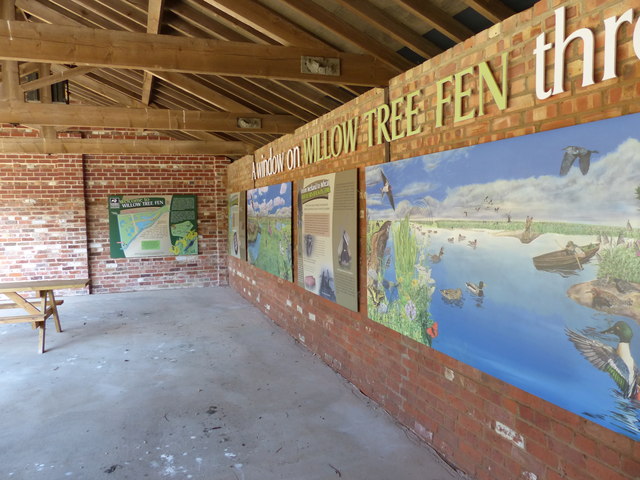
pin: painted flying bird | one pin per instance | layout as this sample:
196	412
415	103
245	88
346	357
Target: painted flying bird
386	190
477	290
570	155
617	362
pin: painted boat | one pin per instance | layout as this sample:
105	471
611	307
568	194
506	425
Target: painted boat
562	260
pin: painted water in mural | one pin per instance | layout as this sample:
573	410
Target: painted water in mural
269	244
522	258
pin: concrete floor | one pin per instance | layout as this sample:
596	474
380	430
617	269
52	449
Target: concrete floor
192	383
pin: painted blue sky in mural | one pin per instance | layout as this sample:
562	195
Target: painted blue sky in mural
271	200
532	326
468	178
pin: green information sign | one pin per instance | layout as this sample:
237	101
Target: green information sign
157	226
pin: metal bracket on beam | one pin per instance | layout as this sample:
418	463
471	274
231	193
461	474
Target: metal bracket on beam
320	65
246	122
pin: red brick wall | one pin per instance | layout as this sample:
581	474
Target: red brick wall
54	223
42	218
200	175
453	406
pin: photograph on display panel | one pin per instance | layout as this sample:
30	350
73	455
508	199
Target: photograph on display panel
520	257
269	242
237	218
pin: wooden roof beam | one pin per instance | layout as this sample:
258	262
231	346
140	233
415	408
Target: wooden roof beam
267	22
10	71
122	21
351	34
144	118
98	146
440	19
116	49
55	78
395	29
493	10
154	21
213	28
197	89
204	9
44	13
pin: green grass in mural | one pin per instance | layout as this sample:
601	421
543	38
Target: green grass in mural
275	246
619	262
538	227
408	312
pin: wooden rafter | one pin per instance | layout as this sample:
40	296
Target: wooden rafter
494	10
44	13
103	146
10	72
204	9
98	87
351	34
192	86
267	22
213	28
154	21
101	11
116	49
378	17
55	78
144	118
440	20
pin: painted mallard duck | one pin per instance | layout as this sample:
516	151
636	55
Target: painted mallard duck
617	362
438	257
477	290
451	294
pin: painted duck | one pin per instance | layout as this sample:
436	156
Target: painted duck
451	294
617	362
477	290
438	257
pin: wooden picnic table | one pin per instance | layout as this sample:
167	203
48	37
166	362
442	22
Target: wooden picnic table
39	308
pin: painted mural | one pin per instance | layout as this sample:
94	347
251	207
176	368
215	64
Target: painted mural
520	257
269	244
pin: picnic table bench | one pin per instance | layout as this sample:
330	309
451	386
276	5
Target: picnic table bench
39	308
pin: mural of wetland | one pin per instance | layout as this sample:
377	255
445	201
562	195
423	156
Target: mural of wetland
269	229
520	257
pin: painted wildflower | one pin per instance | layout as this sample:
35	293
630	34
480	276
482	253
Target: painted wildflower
410	310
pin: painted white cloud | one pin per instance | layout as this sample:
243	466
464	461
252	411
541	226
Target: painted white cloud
283	189
433	160
374	200
373	176
604	195
403	208
415	188
284	212
278	201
